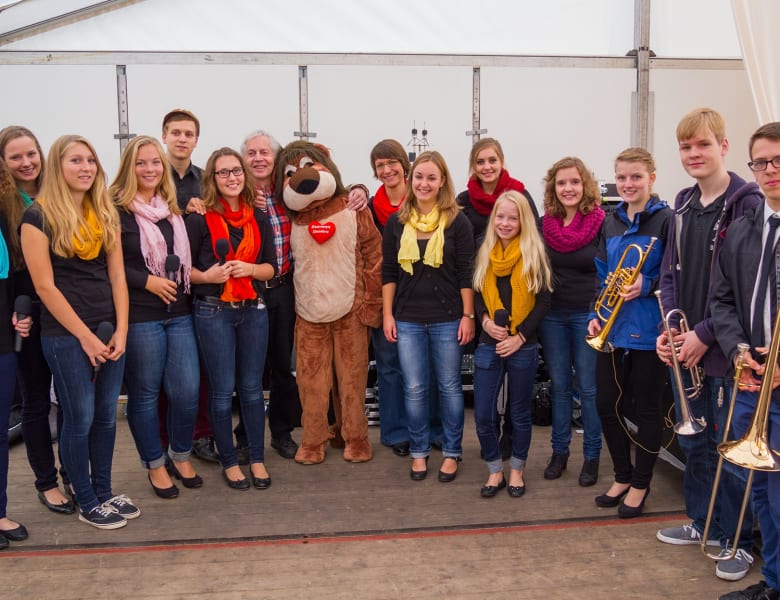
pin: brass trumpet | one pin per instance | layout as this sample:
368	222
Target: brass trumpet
610	301
688	425
752	450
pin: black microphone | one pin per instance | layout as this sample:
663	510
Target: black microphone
501	318
23	309
222	247
104	332
172	264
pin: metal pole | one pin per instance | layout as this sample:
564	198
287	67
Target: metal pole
303	104
122	108
641	126
476	92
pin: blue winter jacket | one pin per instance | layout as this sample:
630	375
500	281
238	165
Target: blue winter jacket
636	325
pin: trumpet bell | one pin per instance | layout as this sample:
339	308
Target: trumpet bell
690	427
753	454
599	342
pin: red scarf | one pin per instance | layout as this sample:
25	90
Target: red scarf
482	201
236	288
382	206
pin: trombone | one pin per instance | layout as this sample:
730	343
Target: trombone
688	424
610	301
752	450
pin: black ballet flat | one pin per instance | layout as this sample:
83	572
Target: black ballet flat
629	512
188	482
17	534
165	493
447	477
419	475
516	490
490	491
607	501
236	484
68	508
261	483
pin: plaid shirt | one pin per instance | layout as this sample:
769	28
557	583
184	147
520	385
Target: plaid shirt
280	223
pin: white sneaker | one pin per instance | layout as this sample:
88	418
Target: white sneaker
735	568
682	536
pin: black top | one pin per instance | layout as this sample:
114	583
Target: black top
6	304
84	283
187	187
529	326
145	306
696	255
203	255
430	295
575	282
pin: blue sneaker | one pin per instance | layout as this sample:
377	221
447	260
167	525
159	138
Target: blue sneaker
102	518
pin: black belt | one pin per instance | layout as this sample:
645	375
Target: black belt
249	303
278	280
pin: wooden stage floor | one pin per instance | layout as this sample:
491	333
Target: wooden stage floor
340	530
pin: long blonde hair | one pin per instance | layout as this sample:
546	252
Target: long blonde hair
445	201
125	184
536	266
61	218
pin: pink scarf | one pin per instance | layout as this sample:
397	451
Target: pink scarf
576	234
482	201
153	246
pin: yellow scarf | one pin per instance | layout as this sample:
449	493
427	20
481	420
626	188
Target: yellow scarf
88	241
505	262
409	251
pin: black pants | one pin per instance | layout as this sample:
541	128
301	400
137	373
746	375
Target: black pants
631	383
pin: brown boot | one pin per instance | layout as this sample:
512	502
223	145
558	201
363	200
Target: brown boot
358	451
310	455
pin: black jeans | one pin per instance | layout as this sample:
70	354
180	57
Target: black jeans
34	379
631	383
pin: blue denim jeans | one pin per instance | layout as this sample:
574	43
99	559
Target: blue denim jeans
88	417
562	334
425	349
489	371
7	386
766	485
233	344
701	459
392	414
162	355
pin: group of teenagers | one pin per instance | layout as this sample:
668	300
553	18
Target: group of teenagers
177	281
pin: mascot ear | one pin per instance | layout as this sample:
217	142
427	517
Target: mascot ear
324	149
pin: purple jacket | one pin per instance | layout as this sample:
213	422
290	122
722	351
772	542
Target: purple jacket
740	197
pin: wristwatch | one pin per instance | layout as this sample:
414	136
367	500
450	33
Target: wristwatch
469	315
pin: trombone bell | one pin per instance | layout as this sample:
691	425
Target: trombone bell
753	454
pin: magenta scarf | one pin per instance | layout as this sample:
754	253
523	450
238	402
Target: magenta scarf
482	201
153	246
580	232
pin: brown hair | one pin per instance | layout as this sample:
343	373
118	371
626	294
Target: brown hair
590	189
701	119
445	201
391	150
768	131
181	114
479	147
11	209
208	187
640	155
13	132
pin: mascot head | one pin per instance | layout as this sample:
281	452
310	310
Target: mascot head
306	176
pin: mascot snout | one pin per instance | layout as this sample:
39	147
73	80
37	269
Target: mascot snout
308	185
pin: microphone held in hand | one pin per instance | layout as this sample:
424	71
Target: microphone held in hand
172	264
104	332
501	318
23	309
222	247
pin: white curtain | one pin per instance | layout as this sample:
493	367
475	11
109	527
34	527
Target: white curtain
758	25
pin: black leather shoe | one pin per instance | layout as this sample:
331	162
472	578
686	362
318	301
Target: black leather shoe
489	491
447	477
261	483
67	508
242	453
3	543
401	449
165	493
286	447
188	482
18	534
757	591
419	475
204	449
516	490
236	484
556	466
607	501
590	472
629	512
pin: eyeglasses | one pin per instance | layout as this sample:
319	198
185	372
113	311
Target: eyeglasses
225	173
388	163
761	165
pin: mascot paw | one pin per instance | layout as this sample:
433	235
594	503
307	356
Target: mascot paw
336	439
358	451
310	455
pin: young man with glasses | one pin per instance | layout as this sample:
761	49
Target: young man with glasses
703	213
743	310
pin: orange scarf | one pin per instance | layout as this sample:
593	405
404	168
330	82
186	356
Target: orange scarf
236	288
